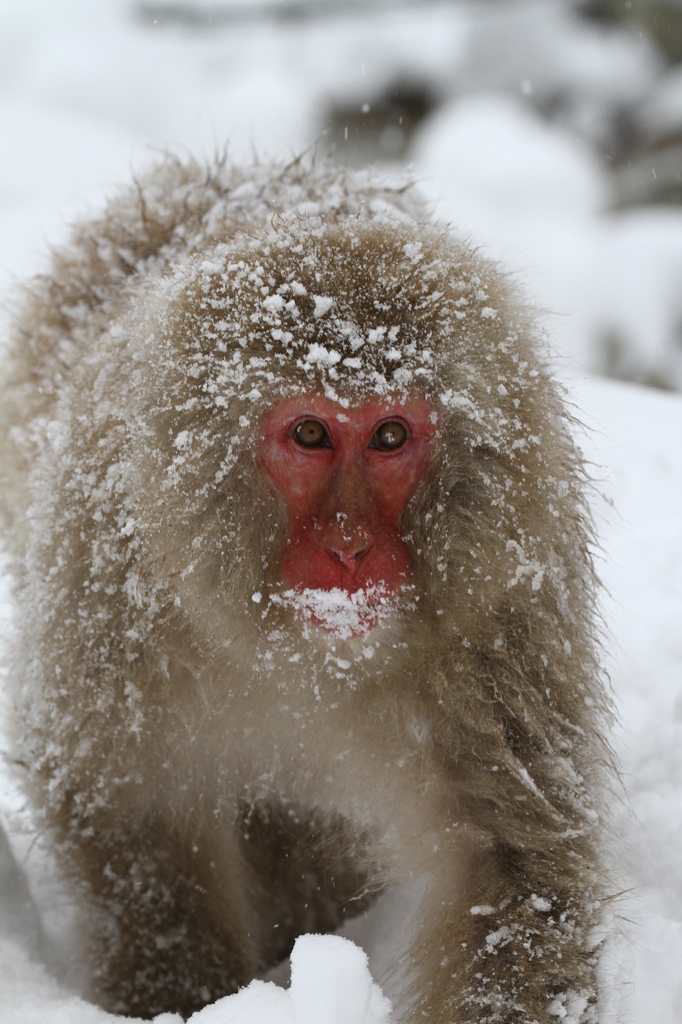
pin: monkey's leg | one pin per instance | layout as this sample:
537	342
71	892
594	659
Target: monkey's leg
172	924
504	946
308	873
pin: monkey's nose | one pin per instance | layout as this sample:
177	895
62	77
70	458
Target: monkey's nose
348	547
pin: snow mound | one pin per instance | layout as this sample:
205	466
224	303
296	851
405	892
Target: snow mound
495	153
330	984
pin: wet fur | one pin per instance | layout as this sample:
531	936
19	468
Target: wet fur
210	766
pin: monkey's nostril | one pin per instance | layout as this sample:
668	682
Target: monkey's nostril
349	555
347	546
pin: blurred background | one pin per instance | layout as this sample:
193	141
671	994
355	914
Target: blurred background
547	131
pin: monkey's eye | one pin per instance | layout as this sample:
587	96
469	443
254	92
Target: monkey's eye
389	436
311	434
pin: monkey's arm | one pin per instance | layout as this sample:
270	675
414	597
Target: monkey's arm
171	930
506	945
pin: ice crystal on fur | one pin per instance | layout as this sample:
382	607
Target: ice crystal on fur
341	613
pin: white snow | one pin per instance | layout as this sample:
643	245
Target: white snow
323	303
537	198
318	354
539	903
634	443
342	614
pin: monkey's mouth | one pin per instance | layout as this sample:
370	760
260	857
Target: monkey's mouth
343	613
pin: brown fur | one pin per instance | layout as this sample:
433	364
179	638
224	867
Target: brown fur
211	766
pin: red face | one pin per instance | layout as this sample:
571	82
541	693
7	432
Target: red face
346	476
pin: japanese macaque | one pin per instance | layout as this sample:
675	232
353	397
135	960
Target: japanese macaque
306	602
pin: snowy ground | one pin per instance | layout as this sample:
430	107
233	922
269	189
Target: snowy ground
634	444
85	91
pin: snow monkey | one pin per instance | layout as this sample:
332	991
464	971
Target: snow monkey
306	602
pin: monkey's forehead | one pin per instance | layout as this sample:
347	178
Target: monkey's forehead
345	308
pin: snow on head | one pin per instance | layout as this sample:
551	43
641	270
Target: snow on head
342	613
322	356
323	303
